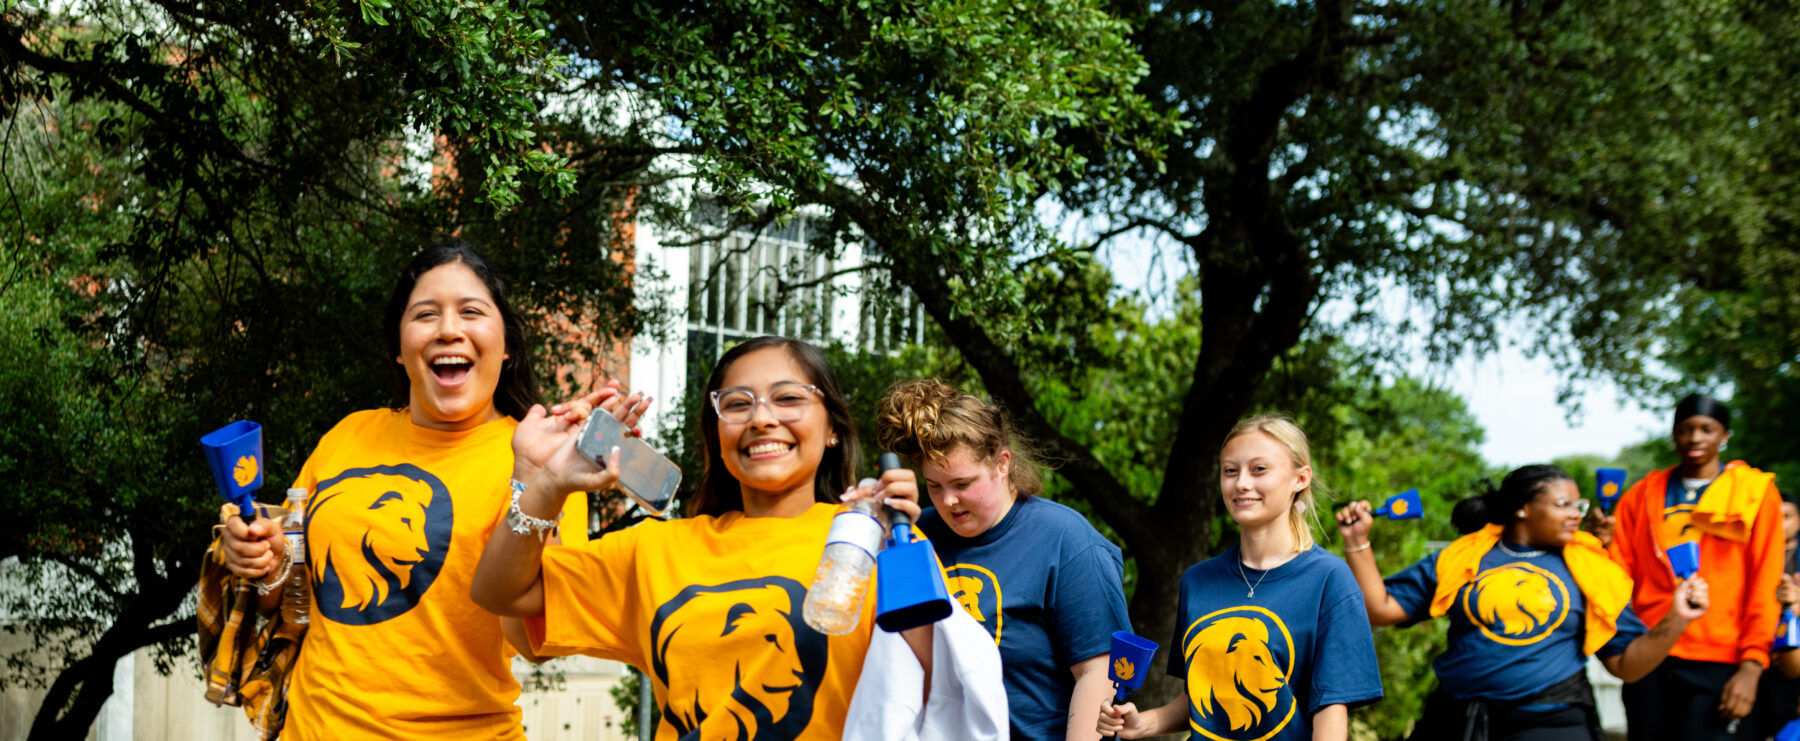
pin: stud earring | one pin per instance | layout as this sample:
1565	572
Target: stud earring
1521	514
832	443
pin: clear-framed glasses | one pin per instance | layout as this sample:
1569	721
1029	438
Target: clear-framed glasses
786	402
1578	506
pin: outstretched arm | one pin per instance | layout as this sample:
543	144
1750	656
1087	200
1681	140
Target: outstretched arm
1648	650
1355	521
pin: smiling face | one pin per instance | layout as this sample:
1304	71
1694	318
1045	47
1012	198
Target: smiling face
452	345
1697	440
971	495
774	460
1551	517
1259	480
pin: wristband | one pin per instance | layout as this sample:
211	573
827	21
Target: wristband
1363	547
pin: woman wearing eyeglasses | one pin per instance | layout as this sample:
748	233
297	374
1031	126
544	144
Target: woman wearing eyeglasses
1529	597
1733	512
709	606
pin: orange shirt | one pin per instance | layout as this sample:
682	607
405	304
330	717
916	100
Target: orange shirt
1740	576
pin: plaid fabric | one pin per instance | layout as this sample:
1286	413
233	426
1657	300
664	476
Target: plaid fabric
246	663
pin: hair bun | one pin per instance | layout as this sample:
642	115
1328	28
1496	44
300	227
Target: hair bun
907	417
1470	514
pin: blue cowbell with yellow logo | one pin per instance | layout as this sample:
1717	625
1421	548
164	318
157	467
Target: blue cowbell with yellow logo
235	454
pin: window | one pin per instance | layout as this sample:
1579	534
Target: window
746	285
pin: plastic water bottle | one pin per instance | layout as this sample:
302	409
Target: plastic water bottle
296	596
835	599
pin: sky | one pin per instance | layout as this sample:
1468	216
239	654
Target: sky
1513	396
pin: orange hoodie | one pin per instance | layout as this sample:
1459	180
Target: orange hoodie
1741	568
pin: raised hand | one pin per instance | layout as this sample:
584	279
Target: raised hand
1354	522
1691	599
898	488
1601	525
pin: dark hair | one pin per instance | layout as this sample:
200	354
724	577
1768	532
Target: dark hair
517	389
1703	406
1469	514
719	492
1497	505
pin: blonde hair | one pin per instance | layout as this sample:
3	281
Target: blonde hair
925	419
1282	429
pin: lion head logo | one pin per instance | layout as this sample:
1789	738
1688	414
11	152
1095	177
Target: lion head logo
775	661
1239	661
1516	604
245	471
389	534
978	591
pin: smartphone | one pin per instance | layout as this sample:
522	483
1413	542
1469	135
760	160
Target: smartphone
644	473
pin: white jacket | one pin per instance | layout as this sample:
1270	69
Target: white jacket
968	698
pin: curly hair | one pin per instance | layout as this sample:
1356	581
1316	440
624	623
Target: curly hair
925	419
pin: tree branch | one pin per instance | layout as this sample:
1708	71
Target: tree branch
999	371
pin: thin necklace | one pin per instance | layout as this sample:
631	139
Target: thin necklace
1518	554
1259	580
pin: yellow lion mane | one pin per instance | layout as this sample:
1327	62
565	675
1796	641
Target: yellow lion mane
1232	670
748	635
378	524
1515	602
967	591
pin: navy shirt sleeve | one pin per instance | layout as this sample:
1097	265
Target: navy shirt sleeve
1414	587
1090	604
1630	627
1344	665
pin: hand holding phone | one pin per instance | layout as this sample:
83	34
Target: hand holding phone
644	474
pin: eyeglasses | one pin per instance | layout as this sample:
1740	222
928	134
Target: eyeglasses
1580	506
786	402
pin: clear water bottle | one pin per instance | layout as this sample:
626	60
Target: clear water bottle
835	599
296	596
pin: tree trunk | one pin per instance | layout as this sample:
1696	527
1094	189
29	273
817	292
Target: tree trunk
89	682
75	698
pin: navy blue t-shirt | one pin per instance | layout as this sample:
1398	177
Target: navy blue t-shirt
1260	667
1516	629
1051	592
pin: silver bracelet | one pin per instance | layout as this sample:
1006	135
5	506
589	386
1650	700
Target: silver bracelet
1363	547
525	524
287	565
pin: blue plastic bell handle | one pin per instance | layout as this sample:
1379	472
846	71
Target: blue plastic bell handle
909	583
235	453
1788	636
1789	732
1684	558
1402	506
1609	485
1131	655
